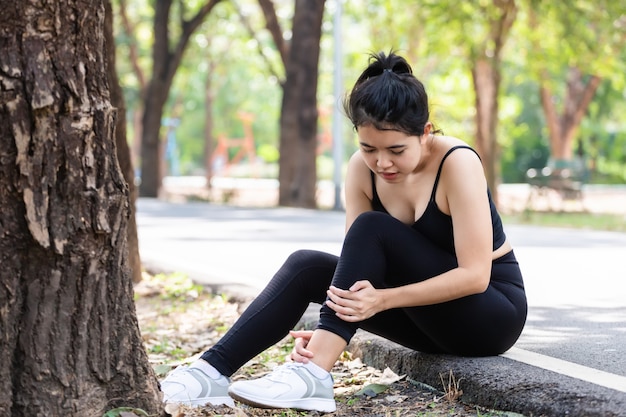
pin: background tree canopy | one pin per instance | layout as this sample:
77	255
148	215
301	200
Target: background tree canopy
232	59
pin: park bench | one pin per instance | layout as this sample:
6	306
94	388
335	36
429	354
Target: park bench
559	182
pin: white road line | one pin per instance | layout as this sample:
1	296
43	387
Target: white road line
595	376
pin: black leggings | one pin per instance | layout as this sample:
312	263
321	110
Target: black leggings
388	253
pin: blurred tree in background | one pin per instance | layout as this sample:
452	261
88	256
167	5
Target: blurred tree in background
234	64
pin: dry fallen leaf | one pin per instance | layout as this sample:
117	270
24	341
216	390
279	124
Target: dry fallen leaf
389	377
178	329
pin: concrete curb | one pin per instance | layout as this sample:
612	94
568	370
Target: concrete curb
494	382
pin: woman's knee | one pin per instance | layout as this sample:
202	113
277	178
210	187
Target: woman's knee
311	270
374	226
372	223
306	258
369	218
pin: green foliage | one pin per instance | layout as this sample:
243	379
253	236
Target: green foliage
225	64
177	285
223	61
609	172
523	140
372	390
608	222
125	412
602	140
268	153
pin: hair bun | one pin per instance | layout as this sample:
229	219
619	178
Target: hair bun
401	66
397	102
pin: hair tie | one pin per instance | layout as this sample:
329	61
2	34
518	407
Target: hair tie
387	70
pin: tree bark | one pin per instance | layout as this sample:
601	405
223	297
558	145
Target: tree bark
298	121
486	76
486	63
68	329
121	144
272	25
133	56
167	55
563	128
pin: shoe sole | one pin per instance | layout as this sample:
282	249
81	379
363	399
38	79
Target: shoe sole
308	404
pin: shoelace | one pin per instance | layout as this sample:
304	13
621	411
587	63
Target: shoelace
178	371
283	371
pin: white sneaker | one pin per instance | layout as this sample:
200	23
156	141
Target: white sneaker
190	386
288	386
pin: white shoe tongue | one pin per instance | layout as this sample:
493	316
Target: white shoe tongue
282	372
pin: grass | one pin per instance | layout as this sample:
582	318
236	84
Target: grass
576	220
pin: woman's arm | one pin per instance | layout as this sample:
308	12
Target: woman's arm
462	193
357	184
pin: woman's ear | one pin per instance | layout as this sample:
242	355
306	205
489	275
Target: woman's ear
428	128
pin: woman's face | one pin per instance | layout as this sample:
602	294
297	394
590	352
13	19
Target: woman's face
392	155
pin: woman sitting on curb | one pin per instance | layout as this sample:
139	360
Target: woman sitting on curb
425	261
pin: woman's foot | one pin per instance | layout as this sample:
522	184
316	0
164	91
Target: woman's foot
291	385
189	385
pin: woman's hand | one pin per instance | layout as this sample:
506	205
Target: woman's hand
300	353
361	301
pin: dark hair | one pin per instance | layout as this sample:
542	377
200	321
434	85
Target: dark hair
388	96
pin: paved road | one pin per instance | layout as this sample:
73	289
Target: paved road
575	279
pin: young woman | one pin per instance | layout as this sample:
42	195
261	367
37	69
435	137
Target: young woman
425	261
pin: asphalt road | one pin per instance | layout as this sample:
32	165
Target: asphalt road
575	279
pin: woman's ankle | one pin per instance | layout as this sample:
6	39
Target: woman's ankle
316	370
207	368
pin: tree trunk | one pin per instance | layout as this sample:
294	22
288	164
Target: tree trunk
486	78
121	144
68	330
563	128
151	148
130	30
167	55
298	122
486	58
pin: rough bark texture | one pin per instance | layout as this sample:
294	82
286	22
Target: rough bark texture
121	143
69	337
298	122
130	30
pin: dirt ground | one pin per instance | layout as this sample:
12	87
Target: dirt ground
179	320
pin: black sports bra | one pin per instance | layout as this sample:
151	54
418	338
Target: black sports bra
435	224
